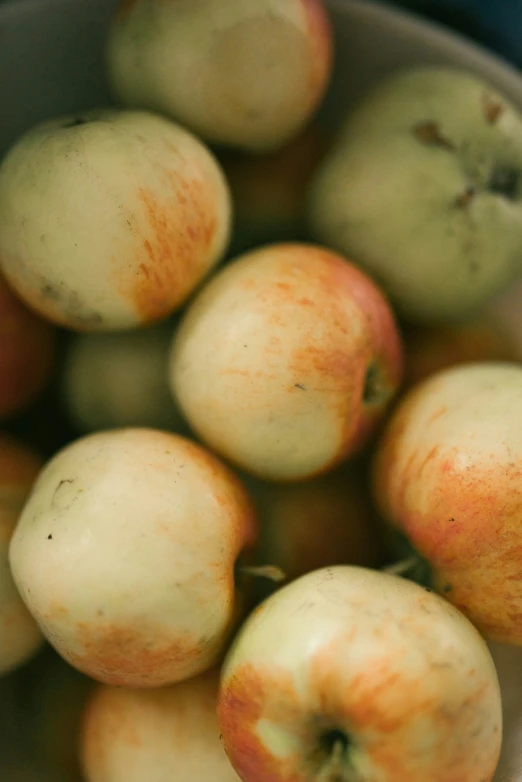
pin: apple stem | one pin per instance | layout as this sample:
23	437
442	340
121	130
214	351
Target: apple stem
270	572
334	770
401	567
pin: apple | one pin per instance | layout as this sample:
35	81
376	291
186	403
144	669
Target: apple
170	733
354	675
422	188
20	637
125	554
286	360
110	219
327	520
428	350
268	191
446	478
26	353
52	696
243	73
120	379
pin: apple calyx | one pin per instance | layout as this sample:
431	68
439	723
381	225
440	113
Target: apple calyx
503	180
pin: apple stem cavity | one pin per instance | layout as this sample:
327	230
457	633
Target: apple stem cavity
430	133
504	181
465	198
335	767
375	391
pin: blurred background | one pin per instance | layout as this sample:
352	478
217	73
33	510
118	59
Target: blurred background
494	23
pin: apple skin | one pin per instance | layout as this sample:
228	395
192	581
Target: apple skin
109	220
120	380
125	555
286	360
242	73
27	345
269	191
392	672
423	189
328	520
154	735
428	350
447	476
20	637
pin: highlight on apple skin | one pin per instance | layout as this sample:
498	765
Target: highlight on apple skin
423	189
110	219
446	478
169	733
353	675
286	360
20	637
240	73
125	555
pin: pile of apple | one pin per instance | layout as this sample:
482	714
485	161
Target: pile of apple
276	515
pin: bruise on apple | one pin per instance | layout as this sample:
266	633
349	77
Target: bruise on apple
493	109
430	133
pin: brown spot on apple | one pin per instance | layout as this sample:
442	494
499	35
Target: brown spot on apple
493	109
430	133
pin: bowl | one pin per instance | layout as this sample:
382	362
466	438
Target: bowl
51	62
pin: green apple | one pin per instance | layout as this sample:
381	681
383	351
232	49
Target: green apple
120	379
423	189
